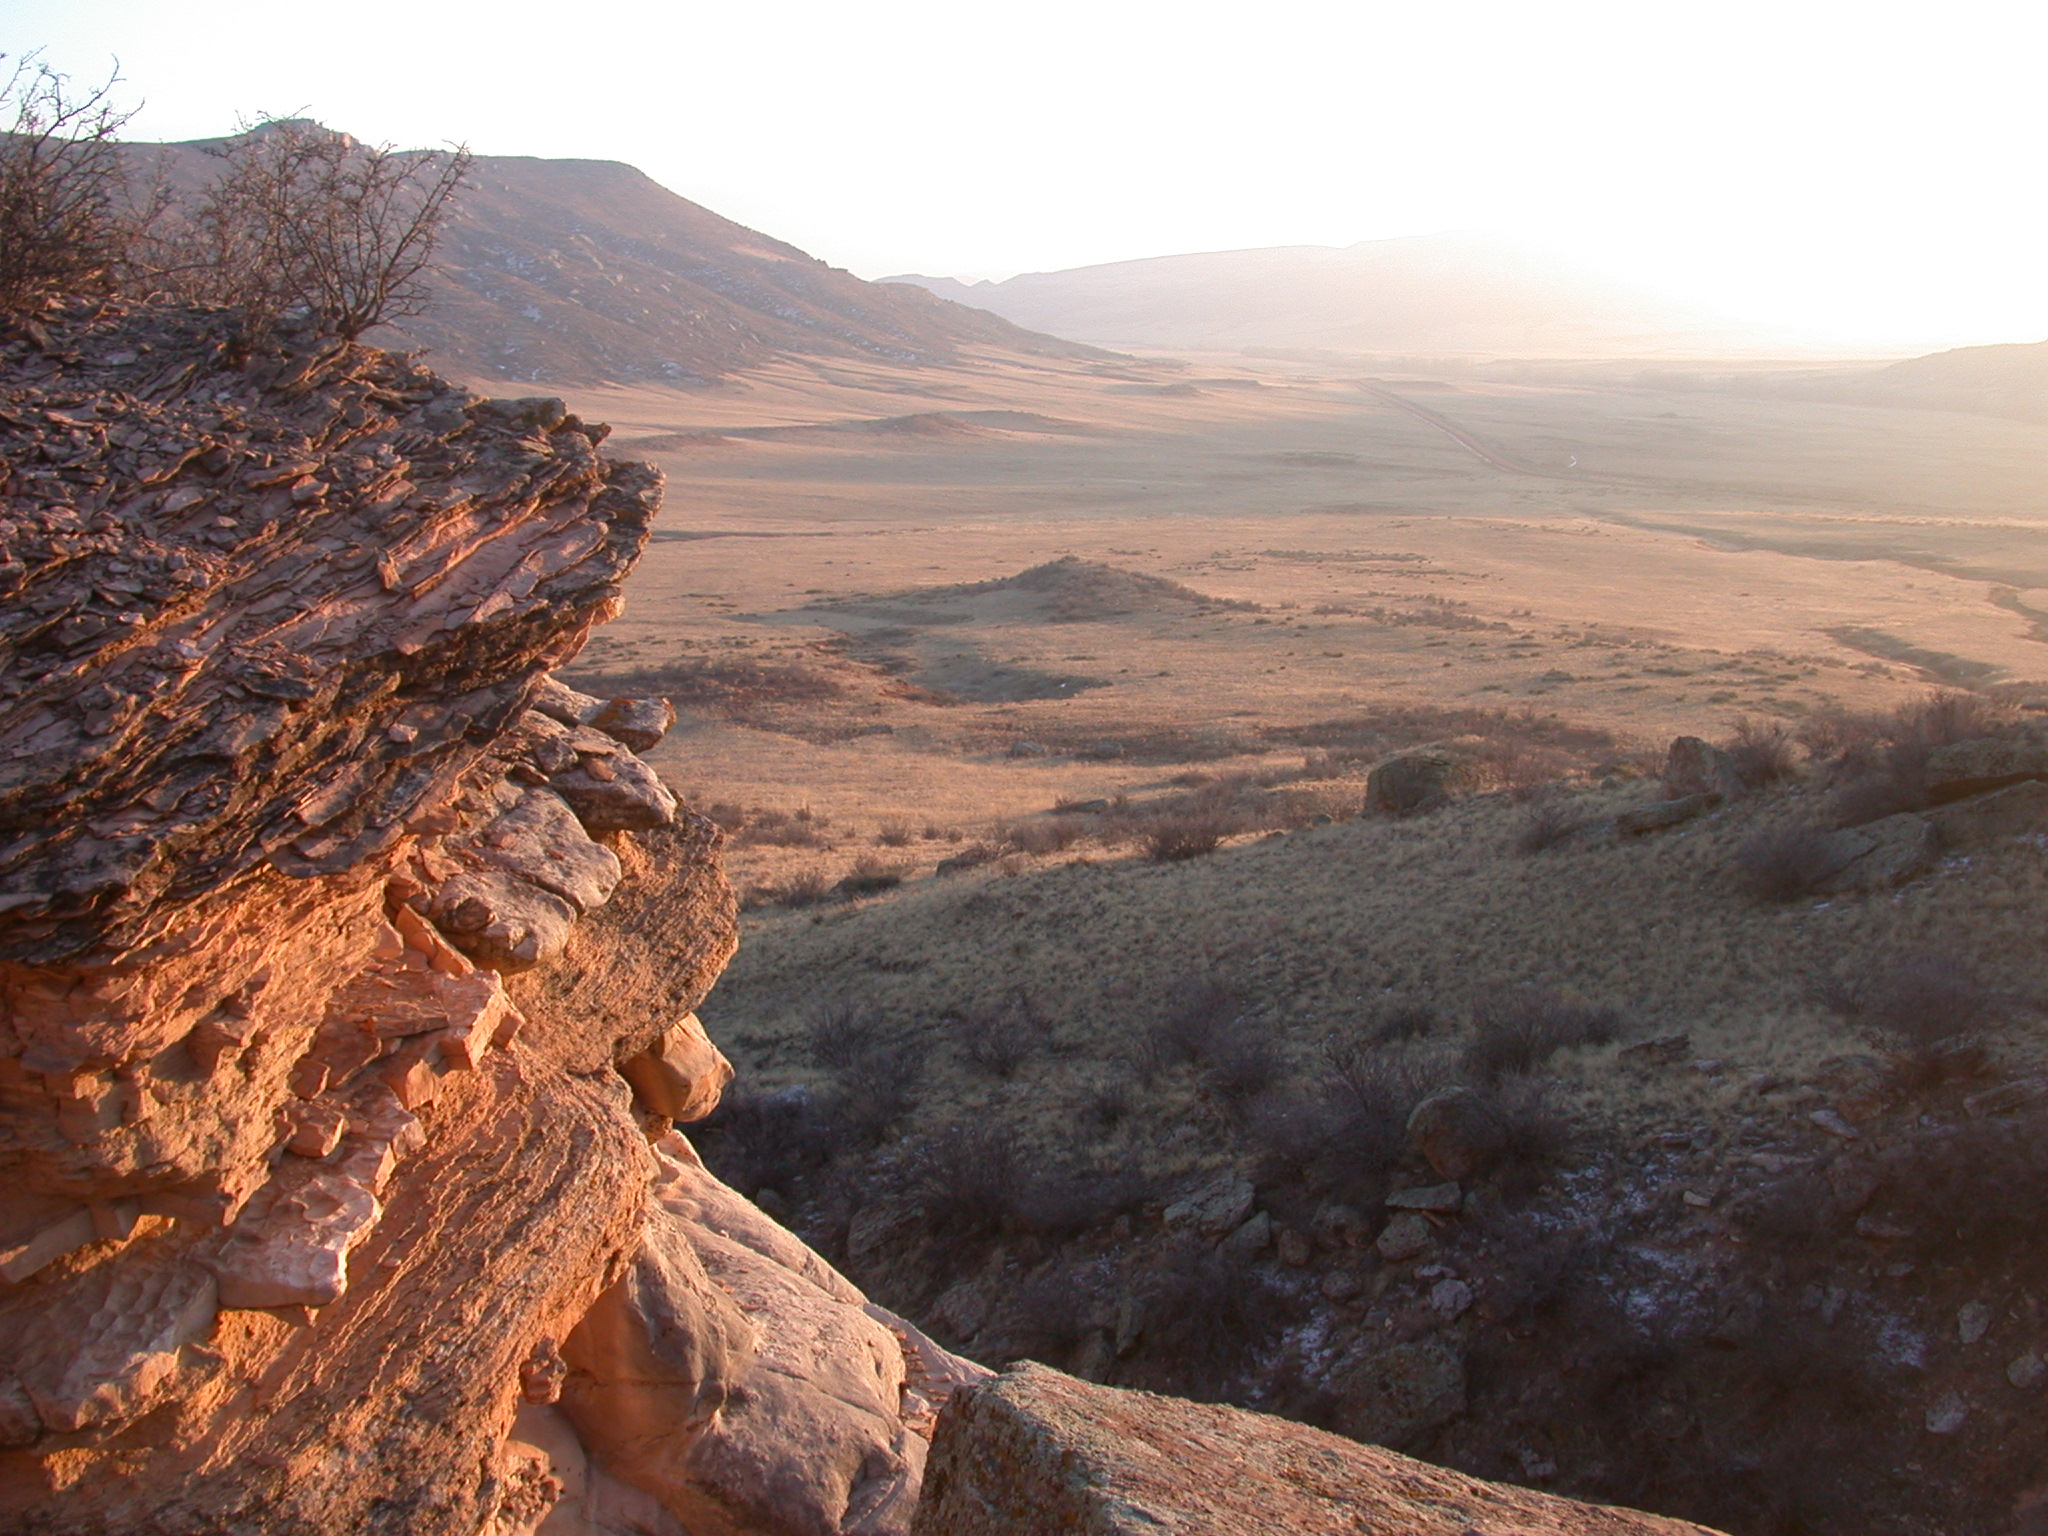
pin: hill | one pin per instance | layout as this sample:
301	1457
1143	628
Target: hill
586	271
1446	294
2007	380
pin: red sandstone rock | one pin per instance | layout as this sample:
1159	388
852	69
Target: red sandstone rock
1035	1451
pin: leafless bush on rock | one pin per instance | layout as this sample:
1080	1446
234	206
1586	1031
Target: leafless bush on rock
309	225
64	224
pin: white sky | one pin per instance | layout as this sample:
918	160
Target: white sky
1864	168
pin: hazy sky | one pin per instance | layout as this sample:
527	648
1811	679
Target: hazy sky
1868	169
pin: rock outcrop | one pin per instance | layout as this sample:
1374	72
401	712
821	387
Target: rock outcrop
297	1185
1035	1451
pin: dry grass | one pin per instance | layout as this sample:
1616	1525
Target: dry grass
1358	926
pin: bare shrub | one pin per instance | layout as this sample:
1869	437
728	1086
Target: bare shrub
1039	837
872	875
1546	823
1109	1105
1764	752
1398	1022
845	1033
805	888
894	834
1947	716
998	1041
1188	835
62	226
774	829
875	1078
1784	863
964	1179
1066	1199
1515	1032
1842	736
1205	1315
1240	1067
1532	1138
306	223
877	1090
1340	1134
759	1141
1045	1318
1199	1013
1930	1012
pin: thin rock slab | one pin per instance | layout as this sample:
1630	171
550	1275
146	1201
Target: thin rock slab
1034	1451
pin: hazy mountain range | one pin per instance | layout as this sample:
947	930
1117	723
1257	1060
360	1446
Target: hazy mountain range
1431	295
586	271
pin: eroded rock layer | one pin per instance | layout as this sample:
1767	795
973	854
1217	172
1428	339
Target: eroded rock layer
300	1200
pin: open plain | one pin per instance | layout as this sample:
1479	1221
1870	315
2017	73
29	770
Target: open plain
1666	552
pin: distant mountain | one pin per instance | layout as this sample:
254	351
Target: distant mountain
581	271
1425	295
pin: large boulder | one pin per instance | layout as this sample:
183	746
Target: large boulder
657	1356
1696	767
682	1075
802	1433
1394	1394
639	723
1984	763
1416	782
611	790
1035	1451
539	840
1880	854
2018	810
501	921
